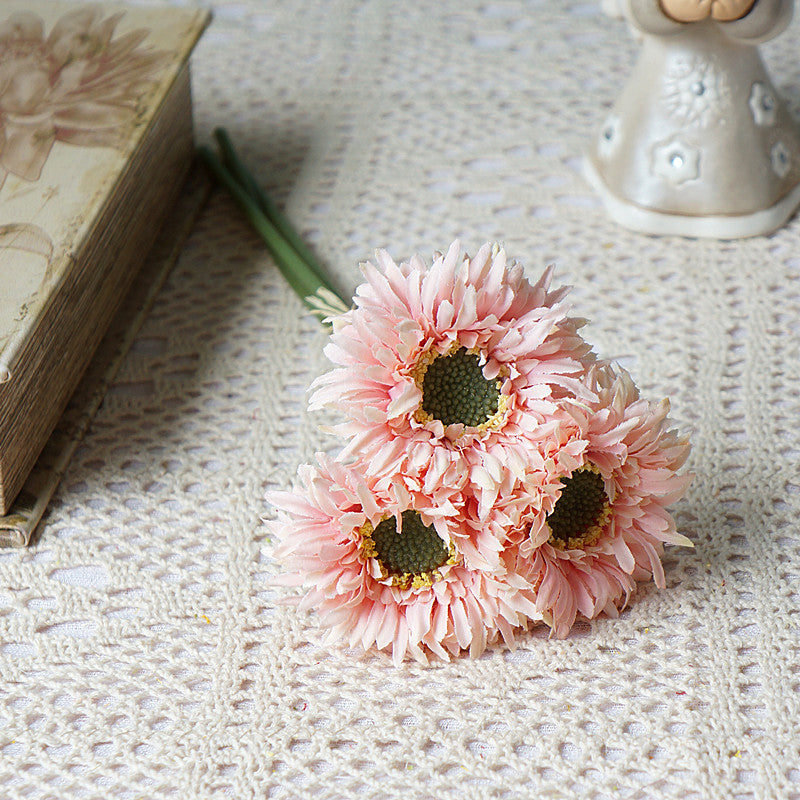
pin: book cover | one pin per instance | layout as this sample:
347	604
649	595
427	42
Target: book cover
78	89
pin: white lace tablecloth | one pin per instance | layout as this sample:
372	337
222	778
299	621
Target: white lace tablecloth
143	653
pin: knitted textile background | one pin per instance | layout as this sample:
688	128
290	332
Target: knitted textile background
143	653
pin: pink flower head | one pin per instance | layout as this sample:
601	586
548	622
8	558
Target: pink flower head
604	527
385	574
449	375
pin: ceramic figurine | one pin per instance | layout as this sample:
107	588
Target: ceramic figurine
700	143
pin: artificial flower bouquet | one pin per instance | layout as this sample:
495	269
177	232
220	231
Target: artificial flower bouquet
495	472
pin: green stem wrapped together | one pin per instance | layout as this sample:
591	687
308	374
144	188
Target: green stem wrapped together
294	259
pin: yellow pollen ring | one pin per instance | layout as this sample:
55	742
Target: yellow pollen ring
366	544
418	374
593	533
408	580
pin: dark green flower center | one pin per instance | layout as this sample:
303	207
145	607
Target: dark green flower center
417	549
582	510
455	390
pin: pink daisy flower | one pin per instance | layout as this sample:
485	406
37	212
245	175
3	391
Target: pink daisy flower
449	375
382	573
602	526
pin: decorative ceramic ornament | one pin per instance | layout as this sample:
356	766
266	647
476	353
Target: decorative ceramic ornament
700	143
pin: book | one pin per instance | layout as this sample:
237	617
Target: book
18	525
95	142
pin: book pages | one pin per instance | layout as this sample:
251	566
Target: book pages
17	527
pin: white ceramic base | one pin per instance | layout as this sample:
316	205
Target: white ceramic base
660	223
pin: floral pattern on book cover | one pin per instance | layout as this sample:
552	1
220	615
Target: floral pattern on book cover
78	85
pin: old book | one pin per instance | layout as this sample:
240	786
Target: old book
95	143
18	525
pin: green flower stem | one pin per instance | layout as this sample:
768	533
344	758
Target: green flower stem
235	166
293	267
245	179
273	214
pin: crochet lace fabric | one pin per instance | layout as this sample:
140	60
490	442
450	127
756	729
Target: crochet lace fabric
144	652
